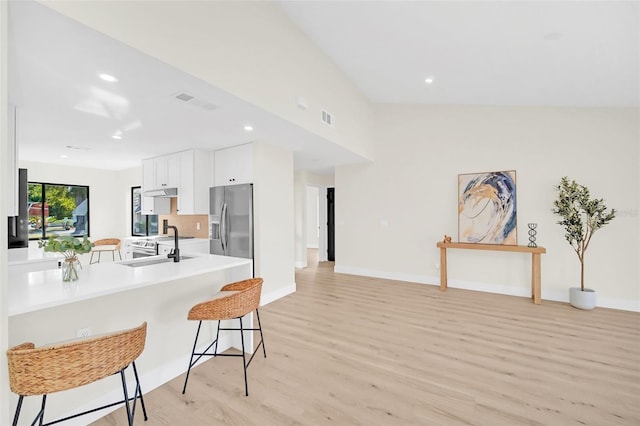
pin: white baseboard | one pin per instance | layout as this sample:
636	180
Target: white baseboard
301	264
412	278
277	294
554	295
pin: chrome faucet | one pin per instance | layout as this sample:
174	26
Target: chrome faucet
175	253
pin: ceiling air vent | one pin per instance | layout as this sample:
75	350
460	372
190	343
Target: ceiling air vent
328	118
195	102
184	97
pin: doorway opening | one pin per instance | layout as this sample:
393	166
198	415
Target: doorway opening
319	224
331	231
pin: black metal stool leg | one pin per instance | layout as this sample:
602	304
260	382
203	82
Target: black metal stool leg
18	408
264	351
139	390
215	348
41	413
193	351
244	363
126	397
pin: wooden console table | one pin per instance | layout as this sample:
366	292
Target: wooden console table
535	262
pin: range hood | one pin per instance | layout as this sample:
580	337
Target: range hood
164	192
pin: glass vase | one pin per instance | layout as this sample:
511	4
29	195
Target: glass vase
70	268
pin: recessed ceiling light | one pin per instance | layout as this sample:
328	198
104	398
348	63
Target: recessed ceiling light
108	77
117	134
429	79
248	128
63	156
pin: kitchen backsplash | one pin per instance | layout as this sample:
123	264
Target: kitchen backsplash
187	224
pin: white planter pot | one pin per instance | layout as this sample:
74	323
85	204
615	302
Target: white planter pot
582	299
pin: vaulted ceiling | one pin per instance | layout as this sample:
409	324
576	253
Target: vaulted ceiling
552	53
522	53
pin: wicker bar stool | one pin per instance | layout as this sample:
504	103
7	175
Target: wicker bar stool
58	367
234	301
106	244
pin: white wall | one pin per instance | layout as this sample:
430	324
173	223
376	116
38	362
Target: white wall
273	198
312	217
224	43
391	213
300	219
128	178
4	139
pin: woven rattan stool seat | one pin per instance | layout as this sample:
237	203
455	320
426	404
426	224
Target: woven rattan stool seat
234	301
58	367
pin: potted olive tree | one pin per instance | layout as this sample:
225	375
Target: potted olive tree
581	216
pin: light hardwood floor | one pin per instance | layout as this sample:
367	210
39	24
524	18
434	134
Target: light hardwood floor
347	350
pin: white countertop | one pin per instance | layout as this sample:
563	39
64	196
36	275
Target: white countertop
32	291
21	256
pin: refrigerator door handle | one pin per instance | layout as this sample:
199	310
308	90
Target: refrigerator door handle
223	228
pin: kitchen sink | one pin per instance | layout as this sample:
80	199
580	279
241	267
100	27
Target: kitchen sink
155	261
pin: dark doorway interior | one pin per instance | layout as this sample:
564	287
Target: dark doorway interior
331	244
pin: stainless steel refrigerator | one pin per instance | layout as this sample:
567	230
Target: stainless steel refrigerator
231	220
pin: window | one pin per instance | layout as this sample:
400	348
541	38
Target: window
57	209
141	224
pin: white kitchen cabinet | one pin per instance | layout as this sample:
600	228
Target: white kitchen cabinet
234	166
161	172
153	205
11	164
193	190
189	171
148	174
167	171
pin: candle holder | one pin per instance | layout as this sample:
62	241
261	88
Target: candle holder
532	234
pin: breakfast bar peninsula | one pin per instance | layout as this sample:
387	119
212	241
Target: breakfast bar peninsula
115	296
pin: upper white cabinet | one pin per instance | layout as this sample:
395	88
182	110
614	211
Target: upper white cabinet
11	164
152	205
161	172
148	174
188	171
233	166
195	175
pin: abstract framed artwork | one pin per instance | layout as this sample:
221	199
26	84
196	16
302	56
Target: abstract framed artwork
487	208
